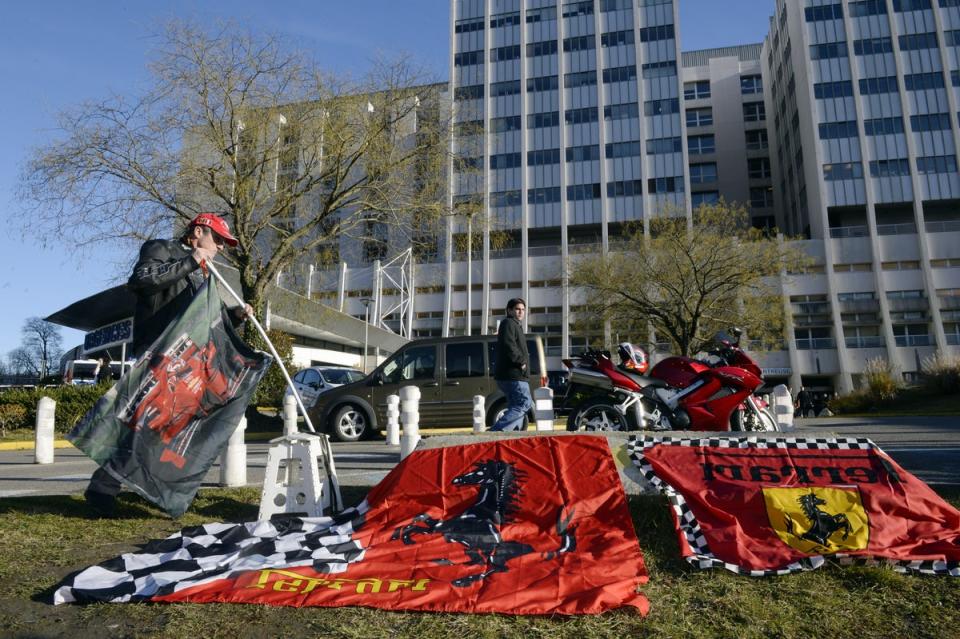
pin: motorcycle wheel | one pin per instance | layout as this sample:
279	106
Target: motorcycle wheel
597	415
748	421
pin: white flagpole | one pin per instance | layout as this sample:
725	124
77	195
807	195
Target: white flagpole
273	351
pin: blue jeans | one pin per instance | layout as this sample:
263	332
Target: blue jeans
518	403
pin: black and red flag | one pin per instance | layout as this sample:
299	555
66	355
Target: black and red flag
160	428
524	526
766	507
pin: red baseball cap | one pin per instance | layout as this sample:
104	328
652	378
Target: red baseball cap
216	224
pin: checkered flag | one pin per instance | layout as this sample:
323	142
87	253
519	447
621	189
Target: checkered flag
199	555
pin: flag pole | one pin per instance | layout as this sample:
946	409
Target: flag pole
273	351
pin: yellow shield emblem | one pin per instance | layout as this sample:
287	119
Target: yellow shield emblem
818	519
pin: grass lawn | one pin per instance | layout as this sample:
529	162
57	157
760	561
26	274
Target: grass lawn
45	538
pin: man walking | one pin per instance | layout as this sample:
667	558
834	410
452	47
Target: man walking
512	370
165	279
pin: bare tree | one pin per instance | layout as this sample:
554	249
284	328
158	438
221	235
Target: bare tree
22	362
246	126
685	282
42	342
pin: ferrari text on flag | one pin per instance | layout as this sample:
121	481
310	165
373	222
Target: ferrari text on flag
765	507
524	526
160	428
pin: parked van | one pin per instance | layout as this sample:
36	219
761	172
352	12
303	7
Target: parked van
449	371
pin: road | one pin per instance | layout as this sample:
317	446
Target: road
929	447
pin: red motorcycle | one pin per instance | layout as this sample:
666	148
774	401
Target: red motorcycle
680	393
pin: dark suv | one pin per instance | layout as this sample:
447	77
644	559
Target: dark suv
449	371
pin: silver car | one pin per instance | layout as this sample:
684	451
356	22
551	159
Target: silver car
312	382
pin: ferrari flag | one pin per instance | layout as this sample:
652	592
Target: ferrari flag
160	428
524	526
783	505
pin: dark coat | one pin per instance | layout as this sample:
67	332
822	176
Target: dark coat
513	360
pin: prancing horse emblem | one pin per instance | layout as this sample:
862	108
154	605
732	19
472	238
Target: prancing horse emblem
478	527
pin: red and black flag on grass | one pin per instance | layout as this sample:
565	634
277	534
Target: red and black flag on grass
160	428
522	526
783	505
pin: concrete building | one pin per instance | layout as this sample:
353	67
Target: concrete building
576	117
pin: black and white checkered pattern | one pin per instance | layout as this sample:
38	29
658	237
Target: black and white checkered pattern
702	557
210	552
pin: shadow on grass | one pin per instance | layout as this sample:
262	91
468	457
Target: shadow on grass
128	507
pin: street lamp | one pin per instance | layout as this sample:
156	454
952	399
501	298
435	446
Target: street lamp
366	329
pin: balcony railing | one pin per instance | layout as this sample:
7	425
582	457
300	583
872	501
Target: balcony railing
859	306
811	308
540	251
944	226
873	341
816	343
849	231
913	340
514	251
953	339
949	302
905	228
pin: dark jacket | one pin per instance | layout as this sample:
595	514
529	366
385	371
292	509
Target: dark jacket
513	360
164	280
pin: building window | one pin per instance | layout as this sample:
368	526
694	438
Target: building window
545	83
505	20
937	164
577	192
504	199
502	54
867	8
622	150
665	185
467	58
883	126
696	90
510	87
751	84
890	168
824	12
704	198
930	122
910	5
581	79
872	86
579	43
826	90
837	130
543	120
917	41
761	197
472	92
543	157
828	51
661	107
502	125
700	117
701	144
581	116
873	46
659	69
615	38
625	188
541	15
574	9
758	168
621	111
703	173
619	74
757	140
544	195
468	26
923	81
583	153
842	171
505	161
662	32
614	5
664	145
754	112
547	47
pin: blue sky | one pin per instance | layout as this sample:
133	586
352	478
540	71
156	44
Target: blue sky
54	54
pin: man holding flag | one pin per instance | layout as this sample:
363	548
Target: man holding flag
177	381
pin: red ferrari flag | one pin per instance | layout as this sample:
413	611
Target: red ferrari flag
783	505
525	526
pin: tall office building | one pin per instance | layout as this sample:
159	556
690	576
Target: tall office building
578	117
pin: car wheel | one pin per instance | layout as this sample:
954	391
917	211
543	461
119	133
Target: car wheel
494	414
596	416
350	423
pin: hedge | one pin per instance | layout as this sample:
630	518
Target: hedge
18	406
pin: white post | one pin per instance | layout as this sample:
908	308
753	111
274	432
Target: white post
393	420
289	415
410	417
479	425
783	407
43	436
543	407
233	460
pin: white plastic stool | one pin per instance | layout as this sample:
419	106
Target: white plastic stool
294	481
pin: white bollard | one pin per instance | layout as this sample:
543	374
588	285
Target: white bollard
543	407
233	460
479	414
410	417
393	420
43	434
289	415
783	407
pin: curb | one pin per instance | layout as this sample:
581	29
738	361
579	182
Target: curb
29	445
